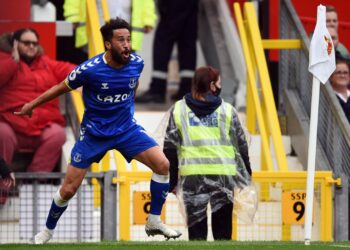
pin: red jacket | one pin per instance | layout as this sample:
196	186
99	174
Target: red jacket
21	83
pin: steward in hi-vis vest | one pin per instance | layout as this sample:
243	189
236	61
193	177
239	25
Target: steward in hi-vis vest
143	19
208	153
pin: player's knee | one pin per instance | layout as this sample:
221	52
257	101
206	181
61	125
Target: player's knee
68	191
163	167
59	200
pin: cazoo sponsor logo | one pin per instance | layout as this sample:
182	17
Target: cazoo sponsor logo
113	98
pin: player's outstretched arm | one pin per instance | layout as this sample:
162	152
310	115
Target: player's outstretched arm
47	96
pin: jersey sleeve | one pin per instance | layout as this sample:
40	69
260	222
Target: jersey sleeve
141	65
138	61
77	77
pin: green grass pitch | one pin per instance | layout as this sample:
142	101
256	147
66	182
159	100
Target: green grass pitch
181	245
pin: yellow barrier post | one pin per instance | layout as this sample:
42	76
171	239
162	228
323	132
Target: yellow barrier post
78	104
265	159
327	208
124	210
268	99
251	112
251	122
95	167
124	197
105	162
234	227
105	10
93	29
134	165
281	44
120	161
124	179
251	84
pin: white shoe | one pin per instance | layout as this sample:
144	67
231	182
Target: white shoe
158	227
43	236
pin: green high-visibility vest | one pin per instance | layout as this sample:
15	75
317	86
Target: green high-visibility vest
206	147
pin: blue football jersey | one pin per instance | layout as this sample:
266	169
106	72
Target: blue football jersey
108	94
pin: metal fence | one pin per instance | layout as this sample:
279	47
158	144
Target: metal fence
23	210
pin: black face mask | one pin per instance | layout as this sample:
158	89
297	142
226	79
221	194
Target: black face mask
217	91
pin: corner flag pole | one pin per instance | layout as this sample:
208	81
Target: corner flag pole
311	158
321	65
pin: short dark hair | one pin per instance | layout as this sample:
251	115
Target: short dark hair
18	33
113	24
342	59
331	8
203	76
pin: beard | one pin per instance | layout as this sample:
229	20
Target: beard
118	58
27	59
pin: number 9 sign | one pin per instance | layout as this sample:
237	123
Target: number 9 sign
142	205
293	207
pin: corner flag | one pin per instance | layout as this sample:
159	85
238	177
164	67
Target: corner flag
322	54
321	65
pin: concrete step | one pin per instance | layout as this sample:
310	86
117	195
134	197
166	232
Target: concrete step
255	153
255	145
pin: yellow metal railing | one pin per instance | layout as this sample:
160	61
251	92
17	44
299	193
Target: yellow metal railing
260	105
287	180
78	104
105	10
322	178
125	180
253	95
281	44
95	42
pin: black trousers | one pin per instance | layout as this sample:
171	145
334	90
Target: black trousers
198	192
177	25
221	224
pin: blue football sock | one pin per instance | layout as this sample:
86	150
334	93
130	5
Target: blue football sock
54	215
159	192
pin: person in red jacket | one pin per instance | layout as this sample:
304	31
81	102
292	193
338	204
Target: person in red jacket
25	73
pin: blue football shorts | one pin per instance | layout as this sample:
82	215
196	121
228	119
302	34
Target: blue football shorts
89	148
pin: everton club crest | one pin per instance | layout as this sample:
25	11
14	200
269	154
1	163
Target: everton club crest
133	82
